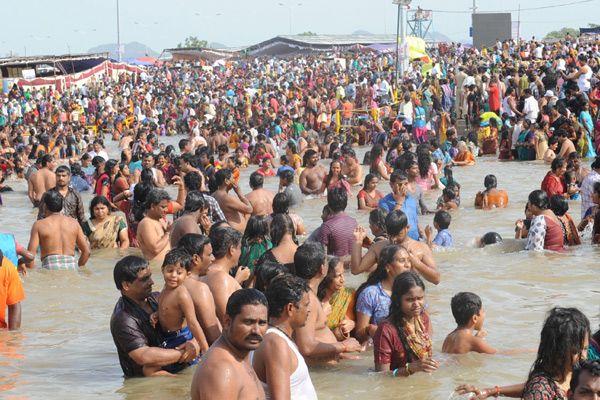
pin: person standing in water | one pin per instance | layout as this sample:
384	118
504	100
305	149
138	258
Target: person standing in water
225	372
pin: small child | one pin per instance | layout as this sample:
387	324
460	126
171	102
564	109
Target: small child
441	222
572	188
447	201
175	309
469	315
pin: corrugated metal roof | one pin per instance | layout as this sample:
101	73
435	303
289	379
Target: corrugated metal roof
340	39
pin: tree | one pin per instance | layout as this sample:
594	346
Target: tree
561	34
308	33
192	41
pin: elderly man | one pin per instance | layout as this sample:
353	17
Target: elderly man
137	341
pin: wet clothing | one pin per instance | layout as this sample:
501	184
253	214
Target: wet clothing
11	289
545	234
540	387
57	262
174	339
72	205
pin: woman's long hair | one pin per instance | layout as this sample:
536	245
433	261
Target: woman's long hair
561	339
402	285
332	262
380	273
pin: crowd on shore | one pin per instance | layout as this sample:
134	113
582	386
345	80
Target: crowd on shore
249	295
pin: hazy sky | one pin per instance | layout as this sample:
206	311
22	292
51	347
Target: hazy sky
55	26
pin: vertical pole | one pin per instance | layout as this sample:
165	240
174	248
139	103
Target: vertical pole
118	34
403	39
398	45
519	24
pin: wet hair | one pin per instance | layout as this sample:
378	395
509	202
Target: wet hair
592	367
195	201
266	272
559	205
126	270
490	182
449	193
281	203
332	262
155	196
256	180
424	163
257	227
280	225
554	140
221	176
539	198
244	297
61	169
442	218
308	259
53	201
337	199
192	181
464	305
283	290
557	163
193	243
395	222
491	238
377	218
46	158
386	256
222	239
562	337
180	256
98	200
402	285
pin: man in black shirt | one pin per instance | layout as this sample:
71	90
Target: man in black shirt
137	341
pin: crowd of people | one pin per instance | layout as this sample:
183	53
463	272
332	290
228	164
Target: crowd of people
249	295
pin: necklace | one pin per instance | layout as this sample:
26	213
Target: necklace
282	331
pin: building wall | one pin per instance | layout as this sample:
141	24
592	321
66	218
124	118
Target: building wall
489	27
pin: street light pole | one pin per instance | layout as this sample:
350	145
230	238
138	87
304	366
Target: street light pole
401	37
398	45
118	34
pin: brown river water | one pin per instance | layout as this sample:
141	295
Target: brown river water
65	350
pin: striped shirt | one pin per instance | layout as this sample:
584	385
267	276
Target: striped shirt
337	234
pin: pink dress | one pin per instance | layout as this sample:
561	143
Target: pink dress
427	182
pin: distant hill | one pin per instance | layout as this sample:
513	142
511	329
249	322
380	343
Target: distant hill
131	50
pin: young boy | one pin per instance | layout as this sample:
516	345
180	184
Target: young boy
469	315
175	309
441	222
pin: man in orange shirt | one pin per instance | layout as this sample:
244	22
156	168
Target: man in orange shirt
11	294
347	108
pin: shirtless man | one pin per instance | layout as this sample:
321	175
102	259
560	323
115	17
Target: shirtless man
225	372
491	197
237	211
397	227
566	145
195	212
315	340
42	181
311	179
352	169
153	230
57	236
277	362
227	247
261	199
216	139
159	178
201	251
